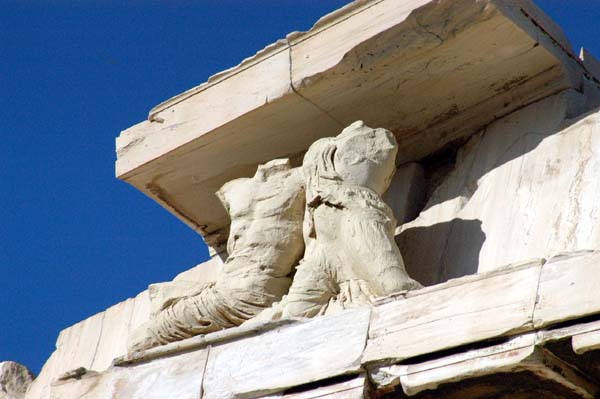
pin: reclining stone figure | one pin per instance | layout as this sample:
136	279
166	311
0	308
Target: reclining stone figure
264	244
350	256
330	211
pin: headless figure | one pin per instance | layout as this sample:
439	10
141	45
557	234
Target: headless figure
264	244
351	256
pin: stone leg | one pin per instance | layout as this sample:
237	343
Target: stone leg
226	304
312	289
370	254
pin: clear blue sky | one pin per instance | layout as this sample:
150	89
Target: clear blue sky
74	240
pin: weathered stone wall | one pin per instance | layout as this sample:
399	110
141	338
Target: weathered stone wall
402	344
524	187
14	380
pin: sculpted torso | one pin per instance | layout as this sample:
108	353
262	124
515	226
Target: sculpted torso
329	214
266	219
351	256
264	244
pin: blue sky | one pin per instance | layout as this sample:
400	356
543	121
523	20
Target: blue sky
74	240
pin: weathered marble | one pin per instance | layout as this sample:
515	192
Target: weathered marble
92	343
326	356
519	368
406	195
431	72
186	283
204	272
577	277
351	256
524	187
288	356
14	380
480	77
171	377
420	323
264	244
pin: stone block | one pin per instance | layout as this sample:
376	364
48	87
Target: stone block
92	343
359	62
113	335
525	187
569	288
516	368
171	377
453	314
406	194
288	356
14	380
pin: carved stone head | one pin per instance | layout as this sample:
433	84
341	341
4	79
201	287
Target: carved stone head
360	155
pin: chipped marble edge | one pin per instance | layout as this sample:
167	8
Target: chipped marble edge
325	22
268	51
468	279
548	335
586	342
584	336
252	328
202	341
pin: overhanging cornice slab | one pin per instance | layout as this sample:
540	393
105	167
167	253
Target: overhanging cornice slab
431	71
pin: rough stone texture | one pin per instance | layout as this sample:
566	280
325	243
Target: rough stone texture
531	365
264	245
325	356
406	194
516	369
524	187
109	333
186	283
420	323
171	377
373	60
286	357
466	372
577	277
14	380
351	256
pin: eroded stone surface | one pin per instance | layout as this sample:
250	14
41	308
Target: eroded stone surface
265	242
293	355
421	322
429	71
351	256
525	187
170	377
14	380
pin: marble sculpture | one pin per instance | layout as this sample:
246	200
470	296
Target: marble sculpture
329	212
265	242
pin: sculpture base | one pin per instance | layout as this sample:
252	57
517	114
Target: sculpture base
477	339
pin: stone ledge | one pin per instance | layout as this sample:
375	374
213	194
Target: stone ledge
463	64
455	339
